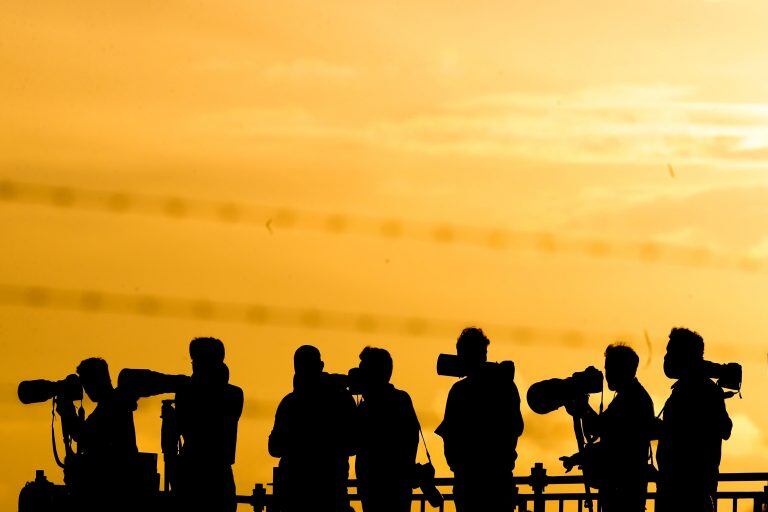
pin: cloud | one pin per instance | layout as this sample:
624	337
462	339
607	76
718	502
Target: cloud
746	437
724	219
309	69
622	123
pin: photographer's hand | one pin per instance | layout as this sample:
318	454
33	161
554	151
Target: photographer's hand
570	461
71	423
578	407
65	408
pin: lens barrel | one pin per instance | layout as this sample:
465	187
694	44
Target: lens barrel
41	390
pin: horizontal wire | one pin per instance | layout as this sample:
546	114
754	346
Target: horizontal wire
274	219
150	305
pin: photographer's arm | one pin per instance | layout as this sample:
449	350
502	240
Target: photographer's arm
146	383
279	438
517	415
413	427
446	430
723	419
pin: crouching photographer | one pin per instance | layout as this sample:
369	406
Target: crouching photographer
617	464
388	439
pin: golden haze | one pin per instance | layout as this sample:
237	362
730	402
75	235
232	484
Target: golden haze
542	116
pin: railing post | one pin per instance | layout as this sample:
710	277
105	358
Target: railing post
258	498
274	505
762	500
538	484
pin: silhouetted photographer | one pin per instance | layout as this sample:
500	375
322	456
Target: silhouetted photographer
481	426
314	436
551	394
106	462
208	409
617	464
695	423
388	438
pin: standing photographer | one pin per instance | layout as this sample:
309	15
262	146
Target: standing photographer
620	460
313	436
694	425
106	463
480	430
389	437
208	409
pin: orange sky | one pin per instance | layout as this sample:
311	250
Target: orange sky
545	116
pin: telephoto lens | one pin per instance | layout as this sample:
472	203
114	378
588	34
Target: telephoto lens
40	390
551	394
451	365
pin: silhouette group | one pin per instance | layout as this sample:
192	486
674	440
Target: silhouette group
319	425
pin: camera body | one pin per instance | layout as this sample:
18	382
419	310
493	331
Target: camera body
728	375
551	394
424	479
40	390
353	381
450	365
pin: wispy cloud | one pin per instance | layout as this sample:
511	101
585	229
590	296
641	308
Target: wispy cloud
723	219
630	124
627	124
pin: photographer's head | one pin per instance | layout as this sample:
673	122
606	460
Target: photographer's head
307	361
685	353
207	356
472	348
621	363
95	379
376	367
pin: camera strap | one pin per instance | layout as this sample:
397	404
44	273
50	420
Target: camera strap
53	435
423	440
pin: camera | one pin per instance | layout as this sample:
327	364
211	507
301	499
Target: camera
728	375
355	381
551	394
352	381
40	390
424	479
450	365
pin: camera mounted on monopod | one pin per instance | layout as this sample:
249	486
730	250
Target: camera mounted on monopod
551	394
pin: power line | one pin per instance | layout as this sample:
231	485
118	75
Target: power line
152	305
277	219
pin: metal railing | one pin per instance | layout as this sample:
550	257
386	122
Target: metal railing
570	494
